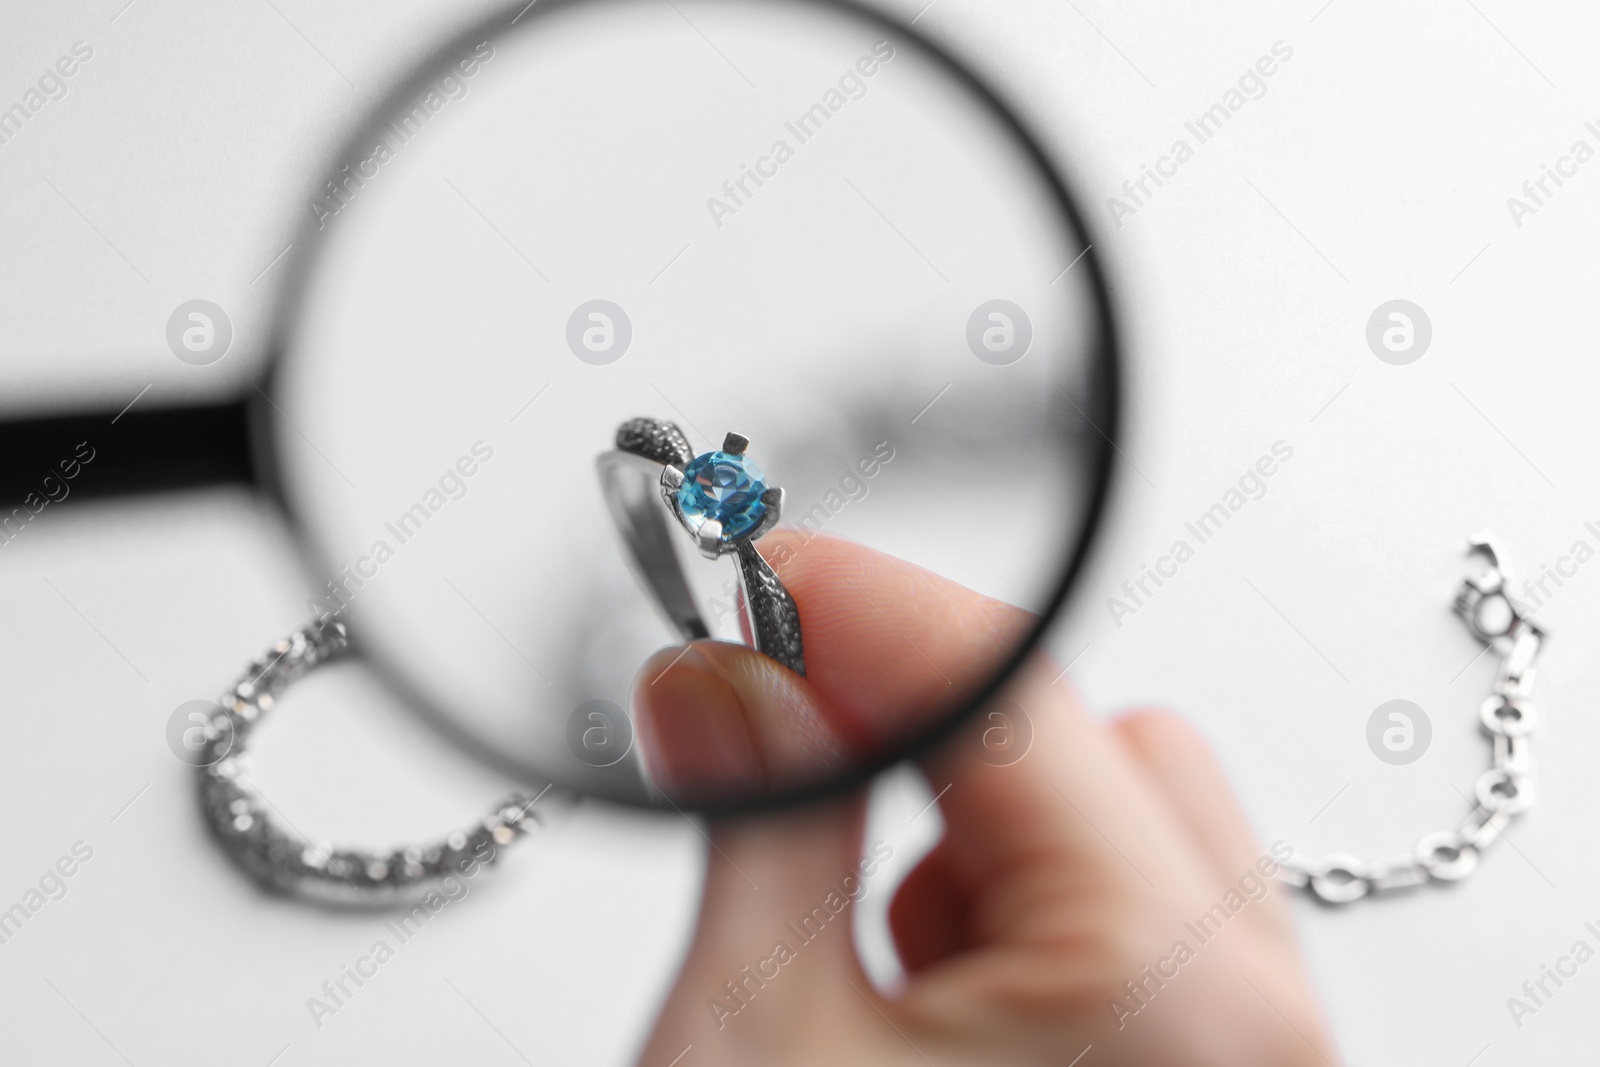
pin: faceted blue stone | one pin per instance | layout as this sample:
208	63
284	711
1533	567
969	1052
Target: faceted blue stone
725	487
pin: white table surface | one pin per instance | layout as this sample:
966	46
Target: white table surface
1377	166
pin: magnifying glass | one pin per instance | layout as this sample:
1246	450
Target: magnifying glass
624	324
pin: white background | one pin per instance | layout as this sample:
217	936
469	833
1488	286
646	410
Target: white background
1377	166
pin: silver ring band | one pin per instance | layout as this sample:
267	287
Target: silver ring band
720	499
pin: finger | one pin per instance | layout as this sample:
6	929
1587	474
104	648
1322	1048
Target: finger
773	950
721	721
1063	866
1181	767
766	873
885	641
928	917
883	638
888	645
1073	818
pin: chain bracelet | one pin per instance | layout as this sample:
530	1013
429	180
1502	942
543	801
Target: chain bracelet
1501	793
276	855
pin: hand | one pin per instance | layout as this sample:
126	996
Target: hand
1105	892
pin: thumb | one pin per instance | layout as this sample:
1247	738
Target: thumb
773	949
890	650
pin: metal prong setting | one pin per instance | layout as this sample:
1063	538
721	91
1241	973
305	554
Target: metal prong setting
671	481
709	538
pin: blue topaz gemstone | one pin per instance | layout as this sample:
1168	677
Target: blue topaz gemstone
726	487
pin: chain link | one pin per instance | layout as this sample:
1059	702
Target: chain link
274	853
1500	794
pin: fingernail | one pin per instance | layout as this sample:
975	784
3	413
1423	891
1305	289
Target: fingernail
692	729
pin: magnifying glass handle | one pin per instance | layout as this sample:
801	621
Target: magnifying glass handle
63	457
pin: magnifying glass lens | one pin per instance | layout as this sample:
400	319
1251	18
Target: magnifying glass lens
784	221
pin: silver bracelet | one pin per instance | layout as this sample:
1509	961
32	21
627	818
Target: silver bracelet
276	855
1501	793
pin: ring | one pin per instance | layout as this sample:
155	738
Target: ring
721	498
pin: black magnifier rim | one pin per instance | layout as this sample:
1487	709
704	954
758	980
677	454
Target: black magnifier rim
1103	413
